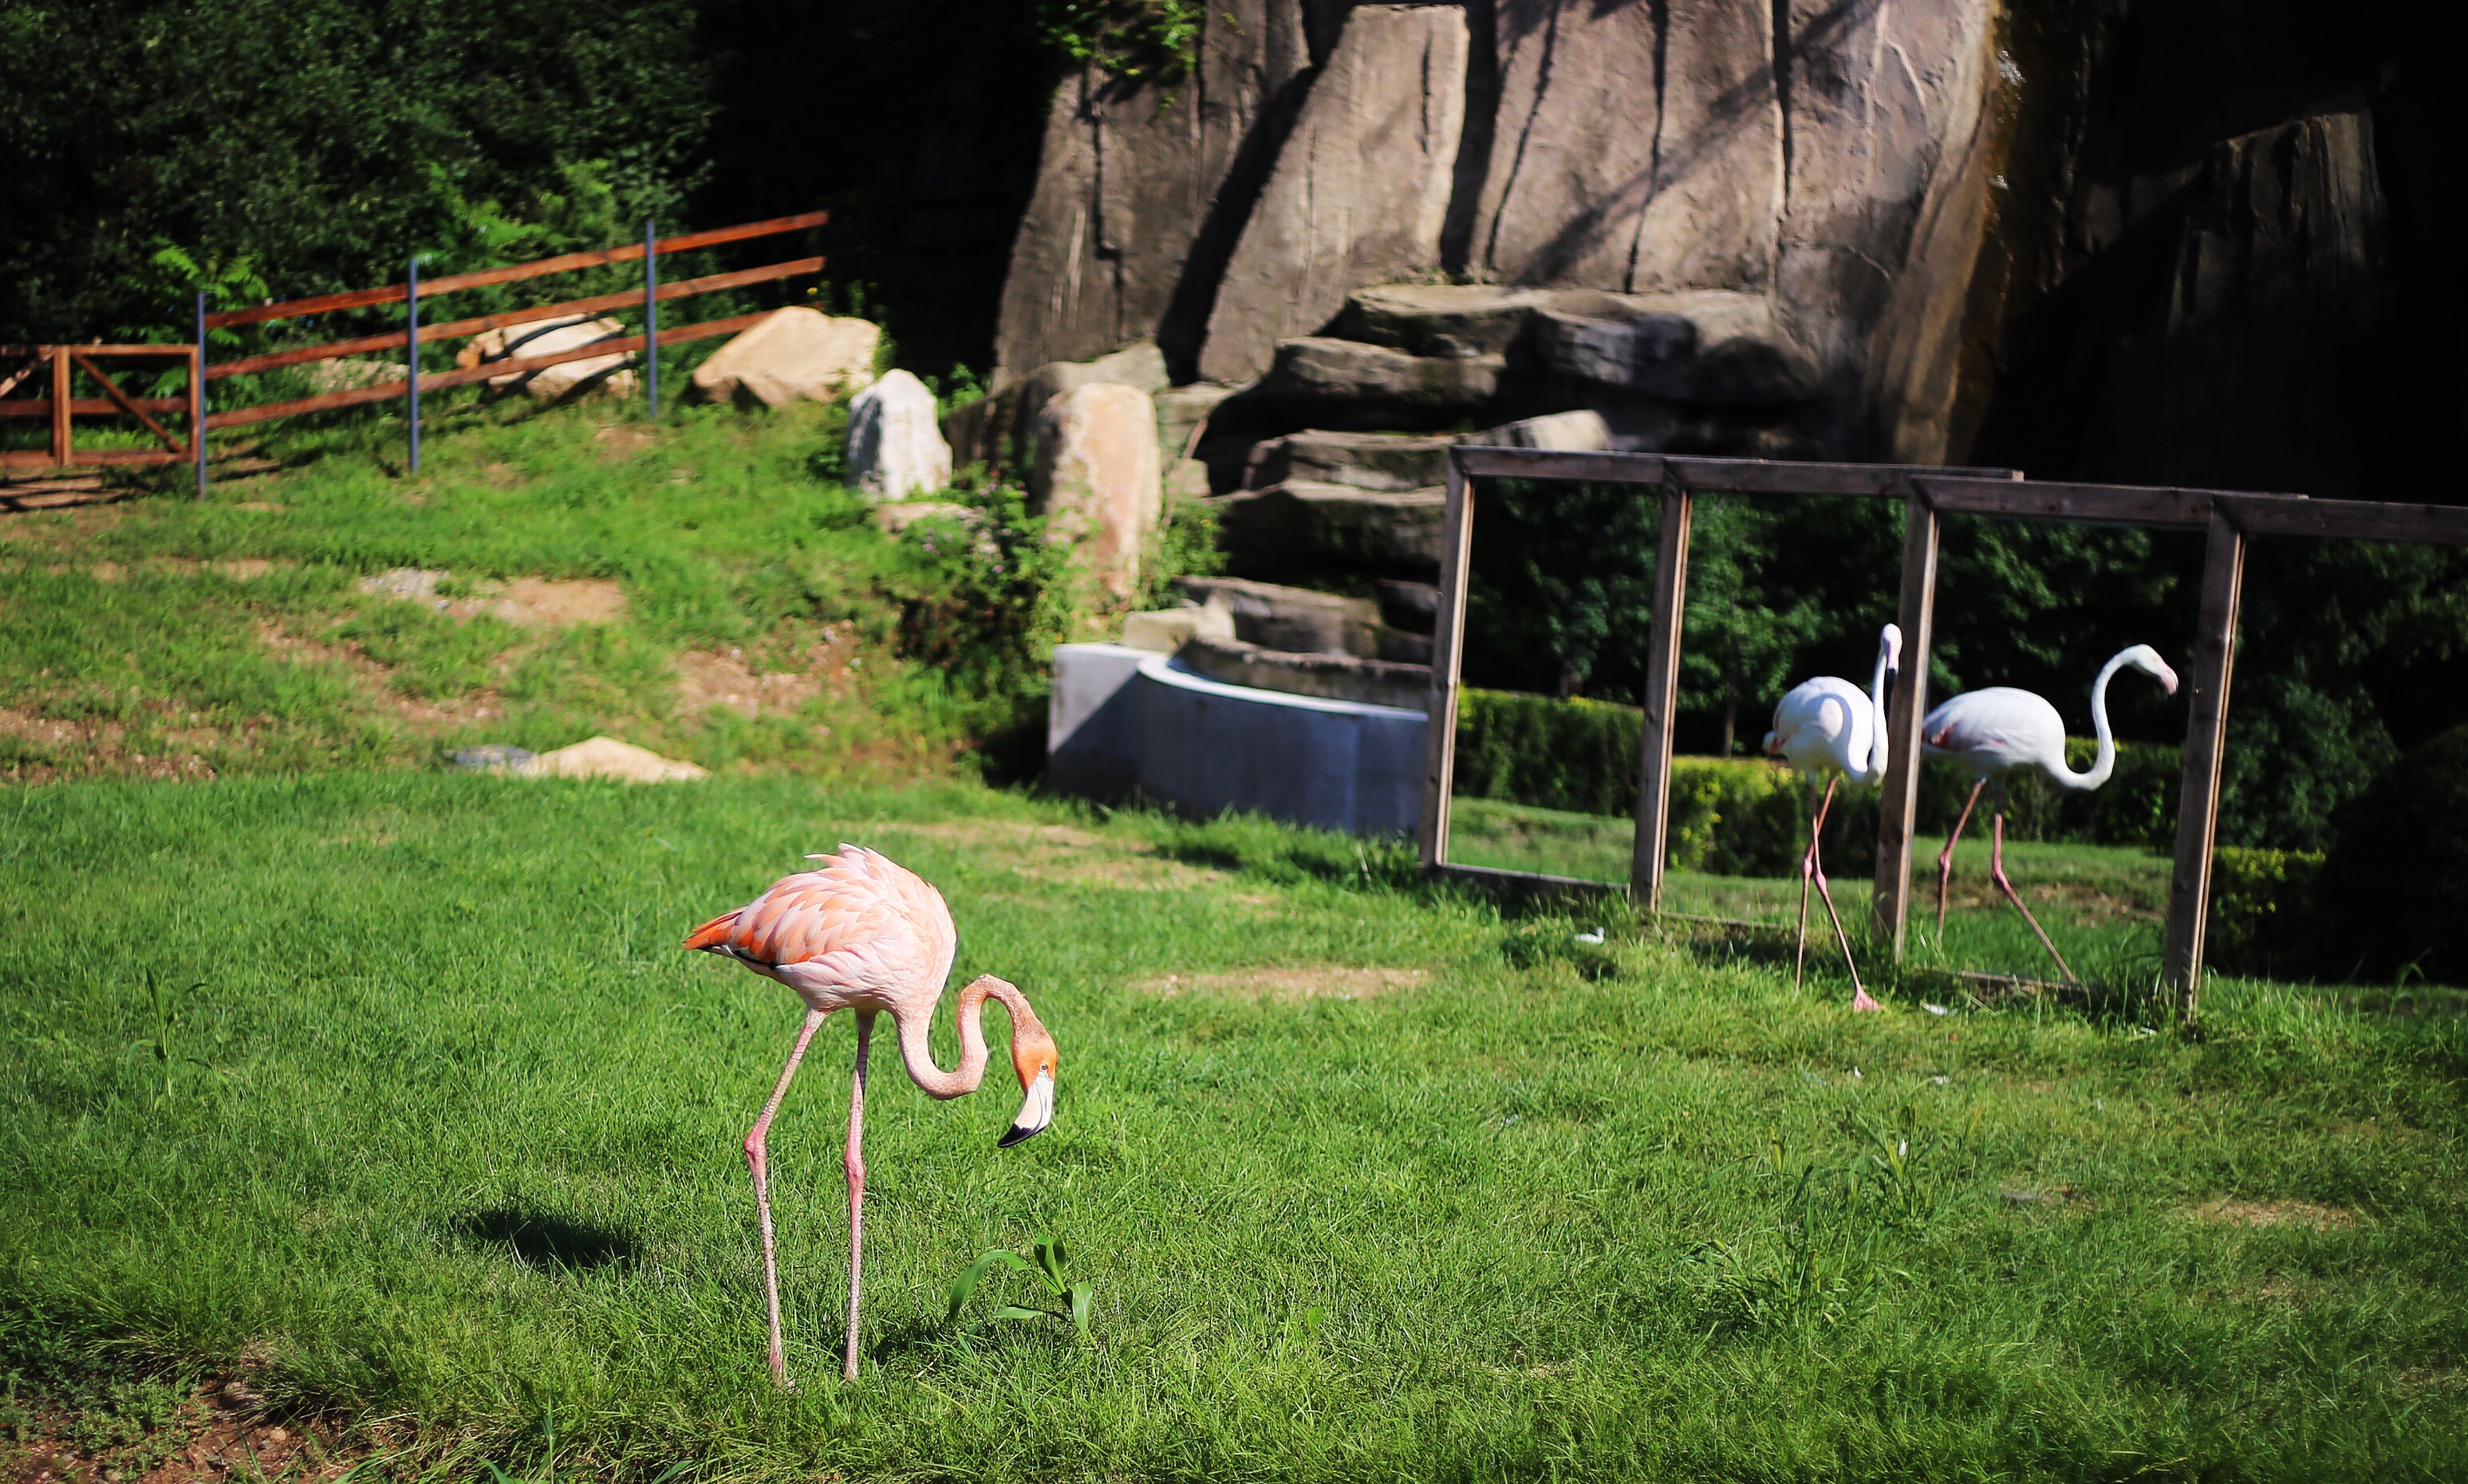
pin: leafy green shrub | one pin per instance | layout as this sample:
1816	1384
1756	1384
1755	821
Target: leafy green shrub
2396	876
2263	920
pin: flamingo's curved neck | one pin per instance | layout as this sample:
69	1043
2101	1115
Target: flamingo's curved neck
2104	761
970	1014
1878	750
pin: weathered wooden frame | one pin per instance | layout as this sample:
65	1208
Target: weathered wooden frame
2228	519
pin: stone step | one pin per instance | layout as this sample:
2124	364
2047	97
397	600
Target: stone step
1456	320
1374	682
1346	383
1298	619
1302	527
1365	461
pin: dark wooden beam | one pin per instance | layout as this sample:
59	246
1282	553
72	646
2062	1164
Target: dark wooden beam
1448	655
1898	806
2357	520
1662	698
2198	810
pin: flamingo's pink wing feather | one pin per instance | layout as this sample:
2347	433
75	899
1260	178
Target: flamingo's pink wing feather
857	921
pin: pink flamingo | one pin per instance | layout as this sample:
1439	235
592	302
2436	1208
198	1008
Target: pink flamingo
1992	732
1826	727
863	934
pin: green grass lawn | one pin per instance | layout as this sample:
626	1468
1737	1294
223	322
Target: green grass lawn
323	1077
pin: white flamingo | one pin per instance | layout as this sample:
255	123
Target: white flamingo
1825	727
1992	732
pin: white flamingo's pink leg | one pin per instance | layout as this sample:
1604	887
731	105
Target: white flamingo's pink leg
1859	998
1996	873
1807	868
855	1159
1945	857
757	1163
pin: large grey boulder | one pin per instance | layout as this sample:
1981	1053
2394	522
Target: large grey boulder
895	449
1097	476
1367	460
606	375
1142	191
1339	381
1300	527
1360	192
998	429
791	355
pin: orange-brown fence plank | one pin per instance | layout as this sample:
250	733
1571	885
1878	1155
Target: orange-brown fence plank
38	458
243	417
454	329
85	406
397	293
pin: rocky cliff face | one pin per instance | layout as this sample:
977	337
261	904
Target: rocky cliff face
1782	150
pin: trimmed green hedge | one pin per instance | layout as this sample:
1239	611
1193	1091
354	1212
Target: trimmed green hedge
1744	816
2264	920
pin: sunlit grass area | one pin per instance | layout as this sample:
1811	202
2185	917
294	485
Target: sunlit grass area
2103	905
702	585
394	1089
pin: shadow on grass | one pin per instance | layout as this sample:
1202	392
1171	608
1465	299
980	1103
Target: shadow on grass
537	1240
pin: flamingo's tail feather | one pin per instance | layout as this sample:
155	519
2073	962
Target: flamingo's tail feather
712	937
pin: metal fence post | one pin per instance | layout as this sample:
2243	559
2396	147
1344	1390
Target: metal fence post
650	318
197	395
411	353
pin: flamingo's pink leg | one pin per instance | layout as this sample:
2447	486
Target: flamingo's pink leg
1808	868
1996	873
855	1159
1945	857
759	1165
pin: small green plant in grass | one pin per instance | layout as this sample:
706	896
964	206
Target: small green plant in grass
1044	1264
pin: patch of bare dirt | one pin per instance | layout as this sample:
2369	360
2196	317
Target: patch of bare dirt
94	745
534	601
526	601
2228	1212
617	441
1289	984
260	505
726	680
223	1433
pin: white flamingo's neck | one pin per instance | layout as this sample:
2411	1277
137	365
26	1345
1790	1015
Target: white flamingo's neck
919	1057
2104	761
1879	748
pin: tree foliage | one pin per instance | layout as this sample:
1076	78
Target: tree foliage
310	145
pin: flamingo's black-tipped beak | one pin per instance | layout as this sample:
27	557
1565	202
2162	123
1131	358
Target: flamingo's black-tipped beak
1035	1112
